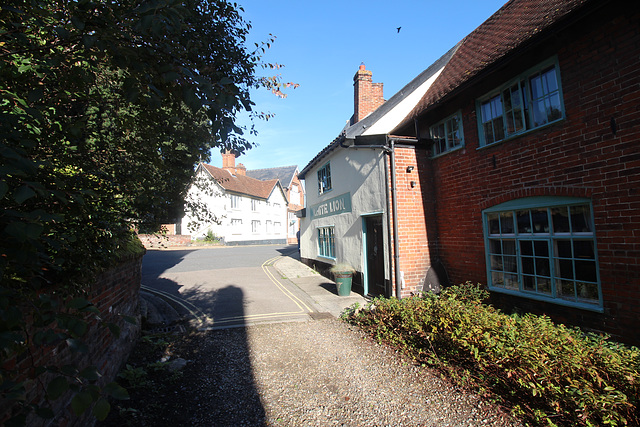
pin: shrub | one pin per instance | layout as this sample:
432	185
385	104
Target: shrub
547	373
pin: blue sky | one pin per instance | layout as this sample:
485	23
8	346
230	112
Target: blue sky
322	44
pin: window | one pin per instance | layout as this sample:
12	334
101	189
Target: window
236	222
277	226
447	135
326	242
255	226
268	225
235	202
254	205
324	179
543	247
529	101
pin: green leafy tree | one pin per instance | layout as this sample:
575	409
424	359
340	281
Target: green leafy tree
105	108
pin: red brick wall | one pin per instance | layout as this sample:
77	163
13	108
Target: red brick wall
116	294
414	217
580	156
160	241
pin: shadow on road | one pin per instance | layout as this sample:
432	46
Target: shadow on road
225	392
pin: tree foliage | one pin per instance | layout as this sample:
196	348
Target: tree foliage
105	108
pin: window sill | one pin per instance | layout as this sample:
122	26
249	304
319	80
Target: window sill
326	257
444	153
518	135
582	306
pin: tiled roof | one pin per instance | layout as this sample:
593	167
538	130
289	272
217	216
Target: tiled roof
285	174
241	184
512	26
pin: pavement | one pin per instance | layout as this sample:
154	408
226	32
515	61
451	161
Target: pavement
317	293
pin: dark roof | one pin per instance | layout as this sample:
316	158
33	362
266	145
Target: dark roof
285	174
241	184
512	26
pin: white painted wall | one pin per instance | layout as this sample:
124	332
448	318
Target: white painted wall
360	172
236	223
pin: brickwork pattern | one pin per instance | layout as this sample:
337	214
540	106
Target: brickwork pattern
594	153
115	293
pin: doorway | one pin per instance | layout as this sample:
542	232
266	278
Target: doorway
374	256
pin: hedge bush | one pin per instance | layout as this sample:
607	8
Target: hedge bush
548	374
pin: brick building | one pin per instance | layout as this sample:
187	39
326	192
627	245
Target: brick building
532	180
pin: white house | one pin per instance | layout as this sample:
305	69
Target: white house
233	207
360	190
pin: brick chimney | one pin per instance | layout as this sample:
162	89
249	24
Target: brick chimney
367	96
229	161
241	169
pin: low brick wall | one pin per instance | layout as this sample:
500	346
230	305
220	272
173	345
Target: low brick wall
160	241
116	294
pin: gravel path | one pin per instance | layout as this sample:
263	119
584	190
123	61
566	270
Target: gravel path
320	373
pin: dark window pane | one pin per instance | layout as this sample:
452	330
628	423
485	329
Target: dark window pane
566	290
563	249
583	249
542	267
529	283
564	268
494	223
524	222
541	248
511	281
526	247
540	220
496	262
586	270
510	264
509	247
581	219
560	218
495	246
544	285
587	292
497	279
527	266
506	223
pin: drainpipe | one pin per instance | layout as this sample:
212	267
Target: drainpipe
394	207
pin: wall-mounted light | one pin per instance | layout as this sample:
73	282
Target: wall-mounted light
409	169
413	184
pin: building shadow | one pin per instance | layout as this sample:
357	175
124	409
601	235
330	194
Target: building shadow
219	386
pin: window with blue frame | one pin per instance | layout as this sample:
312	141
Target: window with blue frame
324	179
326	242
545	248
529	101
447	134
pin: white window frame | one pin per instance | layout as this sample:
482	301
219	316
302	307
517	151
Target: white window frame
544	248
324	178
326	242
512	109
255	226
235	201
447	134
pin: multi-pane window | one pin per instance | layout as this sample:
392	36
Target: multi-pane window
324	179
531	100
326	242
255	226
235	202
254	205
277	226
544	247
268	224
447	135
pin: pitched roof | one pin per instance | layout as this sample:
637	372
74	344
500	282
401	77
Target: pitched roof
388	115
241	184
285	174
512	26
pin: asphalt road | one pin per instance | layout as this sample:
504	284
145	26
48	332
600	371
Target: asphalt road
226	286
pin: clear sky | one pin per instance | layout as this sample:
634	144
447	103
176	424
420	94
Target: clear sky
322	44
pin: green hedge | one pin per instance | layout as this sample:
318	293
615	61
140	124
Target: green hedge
548	374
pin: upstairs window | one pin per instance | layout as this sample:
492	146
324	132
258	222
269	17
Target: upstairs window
324	179
235	202
254	205
544	248
531	100
447	135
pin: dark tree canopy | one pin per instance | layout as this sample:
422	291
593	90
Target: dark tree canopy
106	106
